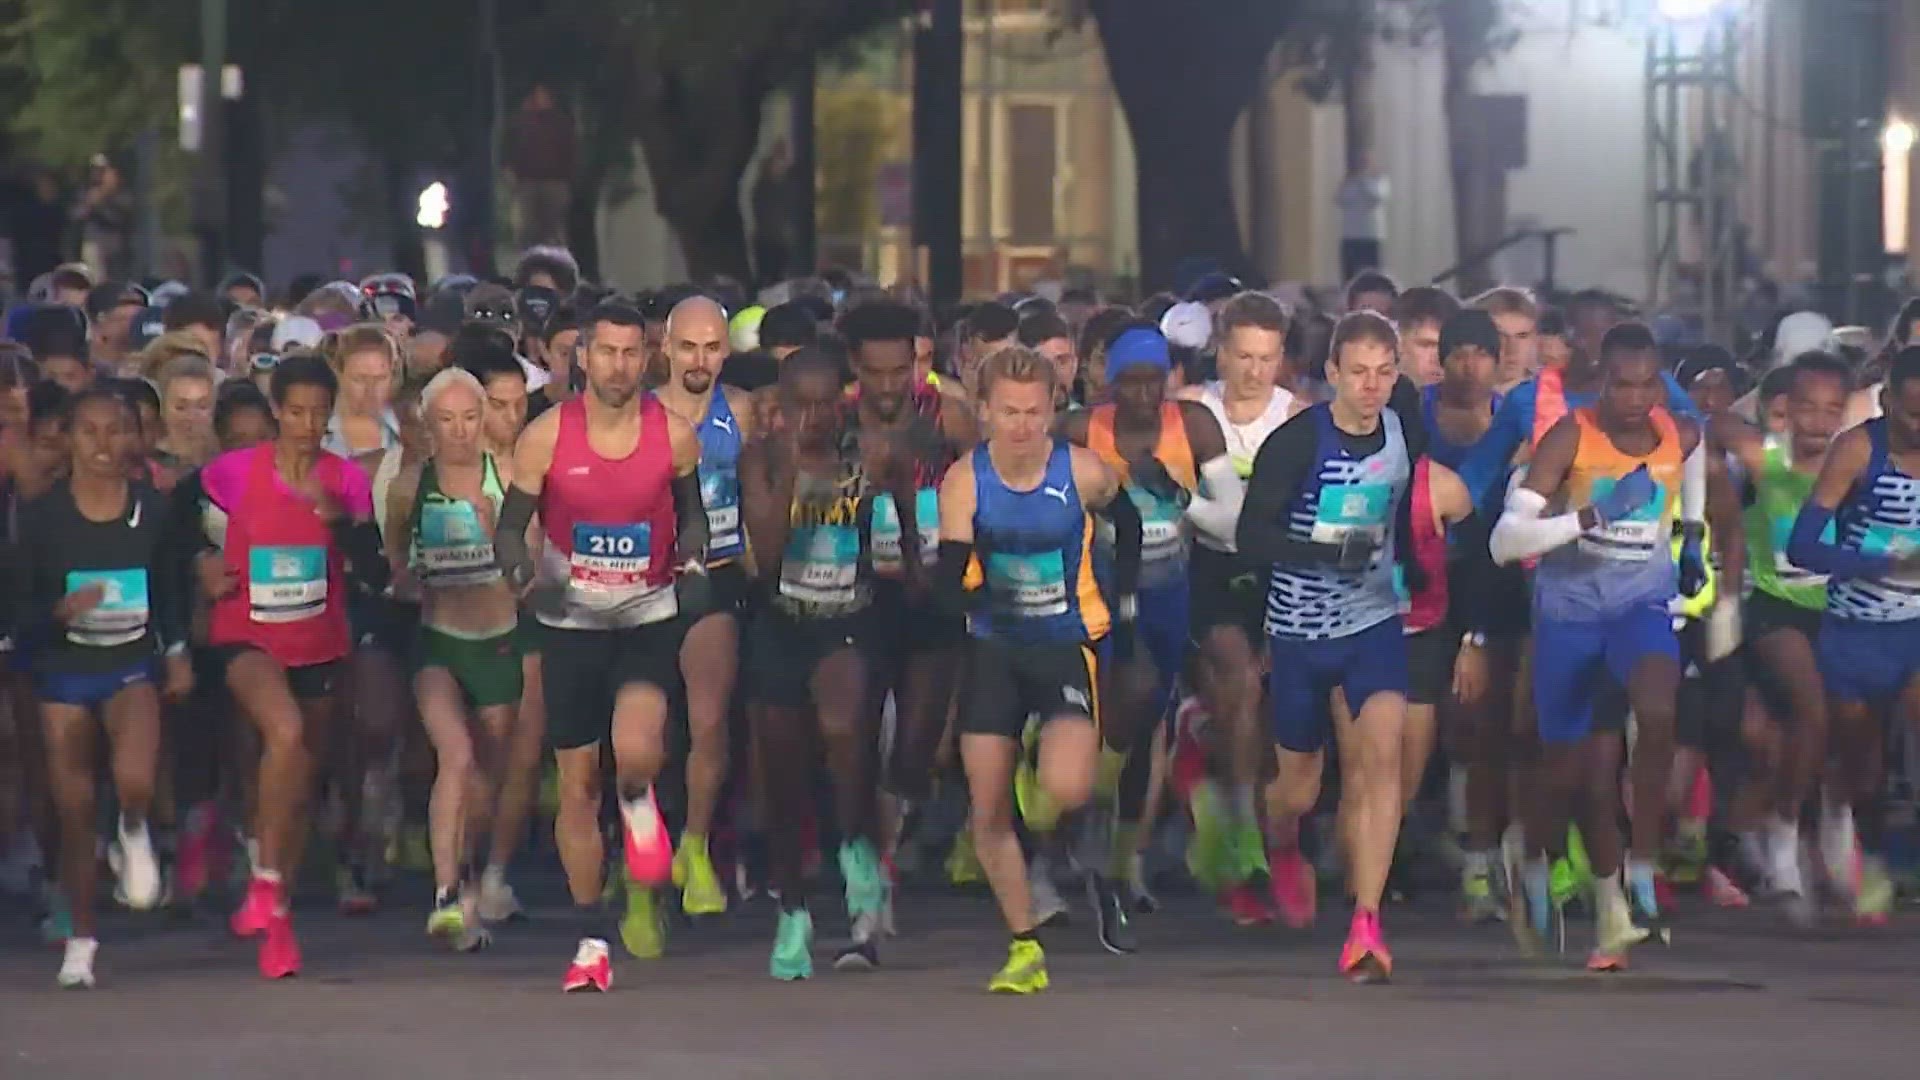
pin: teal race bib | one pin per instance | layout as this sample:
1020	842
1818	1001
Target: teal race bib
1344	509
1633	538
822	565
1031	586
454	548
720	493
886	528
121	617
286	584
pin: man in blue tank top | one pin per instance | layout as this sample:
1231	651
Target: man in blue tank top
1869	646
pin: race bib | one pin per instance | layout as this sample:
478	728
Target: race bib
822	567
720	492
1346	509
454	548
609	563
1633	538
886	528
120	618
286	584
1029	586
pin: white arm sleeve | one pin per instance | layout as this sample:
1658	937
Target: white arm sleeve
1693	483
1523	534
1218	513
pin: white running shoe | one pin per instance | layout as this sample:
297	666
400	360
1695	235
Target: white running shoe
1042	894
1838	843
497	902
133	862
1784	875
76	969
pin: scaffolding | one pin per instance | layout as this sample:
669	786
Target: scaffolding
1692	171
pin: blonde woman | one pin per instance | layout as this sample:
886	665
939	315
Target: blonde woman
187	385
367	359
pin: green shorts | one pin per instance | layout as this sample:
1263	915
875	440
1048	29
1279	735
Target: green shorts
487	669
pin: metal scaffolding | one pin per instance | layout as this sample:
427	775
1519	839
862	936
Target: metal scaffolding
1692	172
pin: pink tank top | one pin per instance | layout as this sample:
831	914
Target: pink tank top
610	523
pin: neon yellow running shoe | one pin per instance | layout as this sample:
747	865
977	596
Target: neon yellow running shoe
700	892
1025	971
447	922
1210	852
963	864
643	931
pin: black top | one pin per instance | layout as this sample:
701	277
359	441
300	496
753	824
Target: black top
61	552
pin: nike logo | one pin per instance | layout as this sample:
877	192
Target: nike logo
134	521
1058	493
725	425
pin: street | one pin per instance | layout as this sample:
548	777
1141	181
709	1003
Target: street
1738	995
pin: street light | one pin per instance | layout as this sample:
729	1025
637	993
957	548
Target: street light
1898	137
430	213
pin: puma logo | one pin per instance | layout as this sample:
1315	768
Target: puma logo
724	423
1058	493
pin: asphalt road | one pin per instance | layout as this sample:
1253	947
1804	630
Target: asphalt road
1737	995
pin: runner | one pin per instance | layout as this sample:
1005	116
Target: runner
697	346
92	561
1418	314
614	477
1321	510
1015	531
186	439
1227	607
1601	592
1158	449
809	488
467	671
299	521
1869	642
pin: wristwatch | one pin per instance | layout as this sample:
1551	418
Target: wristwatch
1473	638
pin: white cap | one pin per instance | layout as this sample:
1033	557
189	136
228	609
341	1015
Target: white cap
1188	324
1800	332
537	376
296	330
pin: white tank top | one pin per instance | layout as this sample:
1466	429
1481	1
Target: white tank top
1243	440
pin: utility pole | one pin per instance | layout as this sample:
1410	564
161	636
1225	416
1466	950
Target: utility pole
937	70
210	201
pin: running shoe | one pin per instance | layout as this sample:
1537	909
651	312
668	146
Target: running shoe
1644	897
448	922
1840	850
860	871
1723	891
256	910
592	968
1247	849
1686	856
1110	916
862	952
1248	905
1578	864
649	850
76	967
1210	851
1873	898
1614	932
193	864
497	902
1784	874
700	892
1025	971
963	864
1364	958
356	897
1545	925
1478	905
1043	895
1293	887
279	951
132	861
1139	893
792	946
643	928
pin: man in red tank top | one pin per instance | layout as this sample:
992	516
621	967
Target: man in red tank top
621	573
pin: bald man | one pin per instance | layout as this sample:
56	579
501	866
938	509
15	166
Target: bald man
696	345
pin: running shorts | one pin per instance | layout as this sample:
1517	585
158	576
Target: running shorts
787	650
583	671
308	682
1767	614
1304	673
89	689
1569	659
1007	682
905	627
487	668
1430	656
1225	592
1867	662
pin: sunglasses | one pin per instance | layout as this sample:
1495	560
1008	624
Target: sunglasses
265	361
386	305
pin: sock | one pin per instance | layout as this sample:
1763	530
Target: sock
443	896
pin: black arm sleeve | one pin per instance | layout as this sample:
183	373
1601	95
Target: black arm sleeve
1126	542
949	577
690	519
172	590
366	554
1278	471
510	551
1405	402
1473	589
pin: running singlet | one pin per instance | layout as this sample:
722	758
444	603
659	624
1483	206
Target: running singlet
820	571
1779	491
1880	517
452	547
1620	564
610	528
719	434
1525	414
1429	608
1439	449
62	552
1243	440
1163	544
1032	554
1342	495
927	471
290	602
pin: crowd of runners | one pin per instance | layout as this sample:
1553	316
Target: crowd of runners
726	587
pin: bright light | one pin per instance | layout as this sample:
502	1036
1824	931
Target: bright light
1898	136
1687	10
434	205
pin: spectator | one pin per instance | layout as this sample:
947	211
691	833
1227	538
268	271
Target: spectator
105	215
540	154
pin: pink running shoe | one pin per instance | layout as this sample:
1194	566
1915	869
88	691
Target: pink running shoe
1293	888
1365	958
649	849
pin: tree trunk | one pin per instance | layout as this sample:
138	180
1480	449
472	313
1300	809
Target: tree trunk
1467	29
1182	83
698	139
711	230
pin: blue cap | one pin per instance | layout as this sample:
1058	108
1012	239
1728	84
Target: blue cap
1139	345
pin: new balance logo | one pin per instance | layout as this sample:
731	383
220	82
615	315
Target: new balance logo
1058	493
